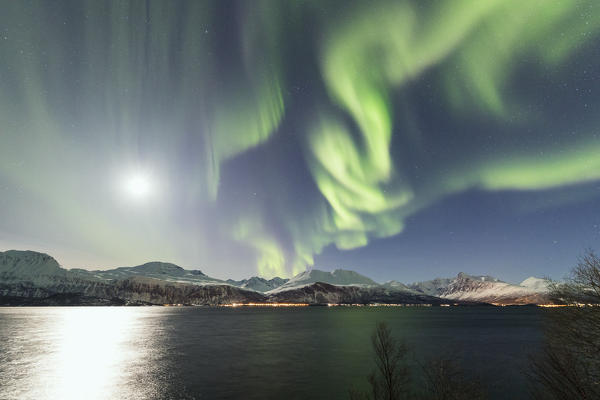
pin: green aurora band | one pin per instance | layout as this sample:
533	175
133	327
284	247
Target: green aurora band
369	59
377	51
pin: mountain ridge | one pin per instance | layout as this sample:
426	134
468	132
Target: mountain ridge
339	277
28	274
259	284
485	289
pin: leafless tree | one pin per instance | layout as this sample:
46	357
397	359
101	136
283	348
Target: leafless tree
569	364
389	358
445	380
391	378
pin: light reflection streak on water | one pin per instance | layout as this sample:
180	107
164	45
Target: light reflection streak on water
90	353
80	353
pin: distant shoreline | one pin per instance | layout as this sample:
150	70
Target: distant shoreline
82	301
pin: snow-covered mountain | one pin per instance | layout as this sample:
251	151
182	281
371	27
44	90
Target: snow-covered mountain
339	277
537	284
395	285
28	265
159	270
325	293
258	284
27	275
485	289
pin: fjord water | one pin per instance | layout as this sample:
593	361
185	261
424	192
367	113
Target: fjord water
253	353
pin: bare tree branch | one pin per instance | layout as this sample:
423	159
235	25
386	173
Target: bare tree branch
569	365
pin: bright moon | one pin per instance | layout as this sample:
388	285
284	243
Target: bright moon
137	185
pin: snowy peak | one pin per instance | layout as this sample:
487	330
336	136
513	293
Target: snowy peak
395	285
398	287
158	270
536	284
336	277
467	284
483	288
491	290
258	284
339	277
434	287
17	263
346	277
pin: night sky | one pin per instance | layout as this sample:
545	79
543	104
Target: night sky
402	139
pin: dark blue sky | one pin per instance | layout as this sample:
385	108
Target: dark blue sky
509	235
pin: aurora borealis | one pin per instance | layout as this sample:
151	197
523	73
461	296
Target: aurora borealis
401	139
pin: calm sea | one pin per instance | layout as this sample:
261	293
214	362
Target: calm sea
246	353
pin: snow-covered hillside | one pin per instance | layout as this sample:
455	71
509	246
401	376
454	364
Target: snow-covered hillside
159	270
485	289
38	277
339	277
433	287
258	284
30	266
28	274
537	284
